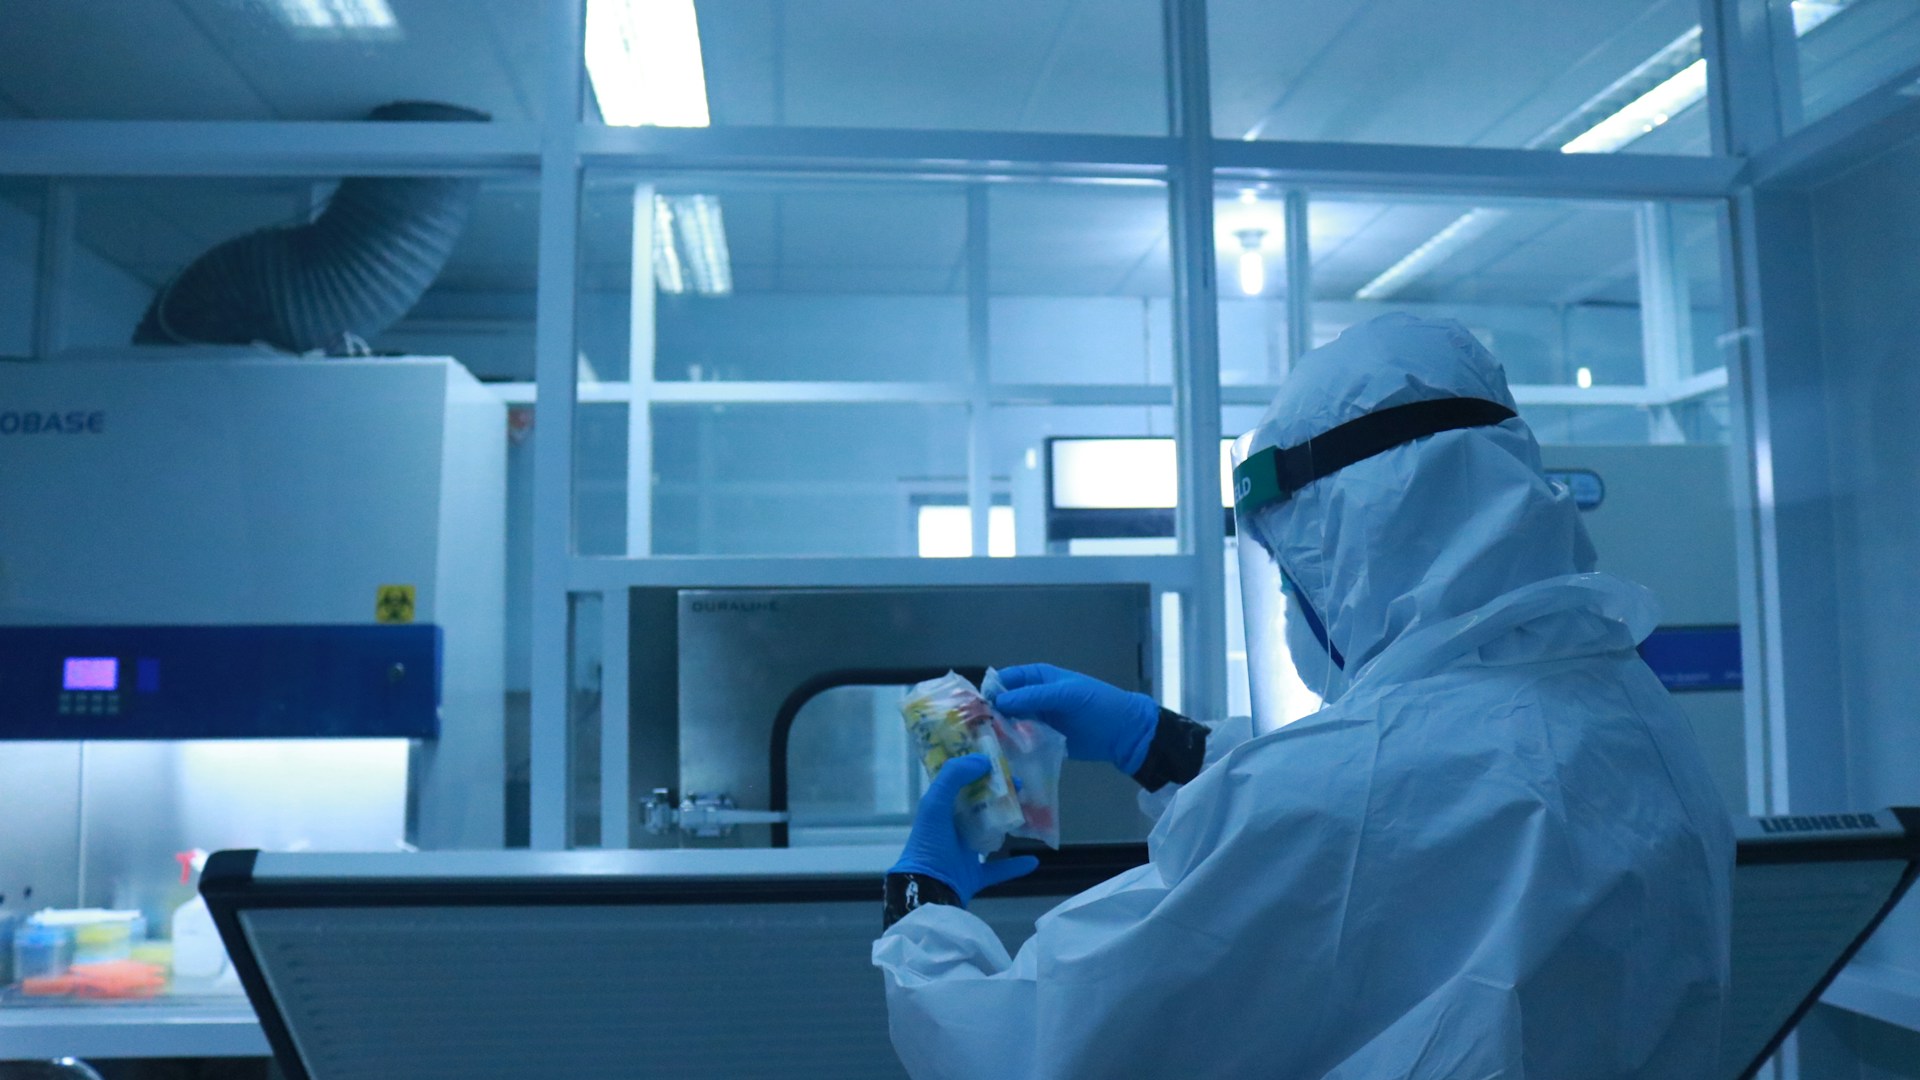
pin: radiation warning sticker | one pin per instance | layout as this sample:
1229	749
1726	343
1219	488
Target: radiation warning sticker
394	604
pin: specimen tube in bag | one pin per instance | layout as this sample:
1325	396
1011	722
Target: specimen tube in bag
949	718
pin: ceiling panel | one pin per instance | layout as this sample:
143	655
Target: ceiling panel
1545	256
908	65
740	49
752	221
1012	65
1354	242
482	54
1418	71
858	280
872	228
1078	240
803	236
242	60
1105	72
1408	70
1152	274
1855	52
94	59
1533	254
1370	70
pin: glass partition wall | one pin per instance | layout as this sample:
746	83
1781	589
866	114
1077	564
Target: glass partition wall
833	289
822	294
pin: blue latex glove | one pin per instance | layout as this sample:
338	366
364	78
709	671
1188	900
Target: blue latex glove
1101	722
934	847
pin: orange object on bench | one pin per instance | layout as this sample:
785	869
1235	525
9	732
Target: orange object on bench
111	979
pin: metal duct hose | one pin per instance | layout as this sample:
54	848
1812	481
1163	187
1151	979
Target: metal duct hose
355	270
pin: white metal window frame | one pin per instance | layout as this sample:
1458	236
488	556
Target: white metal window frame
1749	119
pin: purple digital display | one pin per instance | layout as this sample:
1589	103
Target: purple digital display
91	673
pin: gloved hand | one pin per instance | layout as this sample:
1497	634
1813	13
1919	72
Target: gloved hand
1101	722
934	847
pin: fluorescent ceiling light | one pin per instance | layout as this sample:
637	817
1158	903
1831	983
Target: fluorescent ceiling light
703	240
669	273
337	18
1646	112
1253	264
1253	273
690	246
1681	90
1438	248
1808	14
1673	58
1664	85
643	58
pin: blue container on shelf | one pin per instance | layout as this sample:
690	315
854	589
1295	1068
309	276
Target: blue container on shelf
41	951
7	923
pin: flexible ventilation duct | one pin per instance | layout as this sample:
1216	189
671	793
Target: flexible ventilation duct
355	270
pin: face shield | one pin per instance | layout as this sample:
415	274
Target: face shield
1285	627
1274	653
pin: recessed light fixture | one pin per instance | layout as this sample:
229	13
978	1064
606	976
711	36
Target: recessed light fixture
1253	263
337	18
1682	84
690	246
1650	110
1437	248
643	58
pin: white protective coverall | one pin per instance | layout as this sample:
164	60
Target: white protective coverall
1497	855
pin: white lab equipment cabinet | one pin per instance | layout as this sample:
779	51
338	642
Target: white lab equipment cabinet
282	581
1663	517
1660	515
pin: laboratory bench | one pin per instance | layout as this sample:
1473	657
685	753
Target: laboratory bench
376	938
197	1027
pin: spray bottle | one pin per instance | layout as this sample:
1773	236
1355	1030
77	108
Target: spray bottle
197	952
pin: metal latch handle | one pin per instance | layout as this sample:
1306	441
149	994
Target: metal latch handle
706	816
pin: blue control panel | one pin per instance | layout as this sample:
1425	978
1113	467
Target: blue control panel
1689	658
219	682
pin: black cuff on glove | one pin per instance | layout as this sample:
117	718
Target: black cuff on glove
1178	750
904	892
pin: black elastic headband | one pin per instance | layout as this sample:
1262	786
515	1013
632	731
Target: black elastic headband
1274	474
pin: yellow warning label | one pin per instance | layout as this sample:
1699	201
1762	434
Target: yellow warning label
394	604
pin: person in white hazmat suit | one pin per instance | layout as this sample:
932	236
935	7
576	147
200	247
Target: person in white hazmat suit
1495	853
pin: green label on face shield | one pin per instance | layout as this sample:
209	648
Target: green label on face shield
1256	483
1585	485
